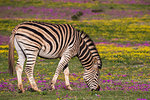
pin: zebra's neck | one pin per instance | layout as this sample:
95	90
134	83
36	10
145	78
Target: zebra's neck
87	51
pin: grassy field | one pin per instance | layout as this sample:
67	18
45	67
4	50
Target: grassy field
123	42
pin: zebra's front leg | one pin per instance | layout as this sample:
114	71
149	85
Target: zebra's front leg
29	71
62	63
66	73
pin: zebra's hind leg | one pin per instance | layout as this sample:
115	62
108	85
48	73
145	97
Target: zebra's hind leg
66	73
31	59
19	70
19	66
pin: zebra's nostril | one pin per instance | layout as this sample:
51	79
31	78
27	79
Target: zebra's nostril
92	89
98	88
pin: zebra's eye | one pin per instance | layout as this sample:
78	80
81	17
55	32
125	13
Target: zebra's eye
96	74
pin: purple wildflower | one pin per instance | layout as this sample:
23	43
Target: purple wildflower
109	74
141	99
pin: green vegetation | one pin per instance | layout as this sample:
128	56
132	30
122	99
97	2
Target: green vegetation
121	32
125	72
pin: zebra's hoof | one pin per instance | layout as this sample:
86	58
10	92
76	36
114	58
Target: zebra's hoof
34	90
38	90
52	87
21	91
69	88
20	88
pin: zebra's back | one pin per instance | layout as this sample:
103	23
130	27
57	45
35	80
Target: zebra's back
50	39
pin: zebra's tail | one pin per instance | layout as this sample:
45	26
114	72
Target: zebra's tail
11	53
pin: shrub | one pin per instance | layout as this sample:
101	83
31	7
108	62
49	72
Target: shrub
77	15
97	10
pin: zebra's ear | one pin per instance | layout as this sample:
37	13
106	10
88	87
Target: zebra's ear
78	30
82	32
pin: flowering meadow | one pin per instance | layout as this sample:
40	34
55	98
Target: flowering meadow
120	30
65	9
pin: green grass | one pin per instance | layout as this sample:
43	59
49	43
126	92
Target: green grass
118	75
75	95
47	66
124	67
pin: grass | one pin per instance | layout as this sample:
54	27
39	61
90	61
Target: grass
124	76
123	44
106	95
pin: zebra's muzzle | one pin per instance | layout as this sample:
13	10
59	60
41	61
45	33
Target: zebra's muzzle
97	89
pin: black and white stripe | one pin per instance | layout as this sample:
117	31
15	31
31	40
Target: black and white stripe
90	59
63	41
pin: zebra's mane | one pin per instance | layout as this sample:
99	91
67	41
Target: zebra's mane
87	39
91	46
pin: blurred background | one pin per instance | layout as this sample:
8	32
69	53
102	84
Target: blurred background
74	9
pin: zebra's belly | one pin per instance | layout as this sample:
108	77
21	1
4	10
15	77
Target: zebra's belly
48	56
45	54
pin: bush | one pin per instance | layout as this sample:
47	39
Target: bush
74	17
77	15
97	10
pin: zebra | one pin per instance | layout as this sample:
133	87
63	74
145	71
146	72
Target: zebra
40	39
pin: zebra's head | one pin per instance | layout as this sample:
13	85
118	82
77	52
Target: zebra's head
91	76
